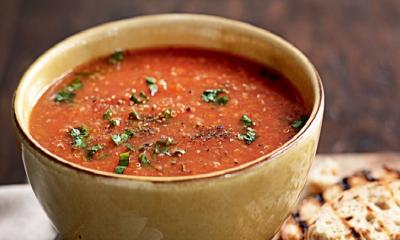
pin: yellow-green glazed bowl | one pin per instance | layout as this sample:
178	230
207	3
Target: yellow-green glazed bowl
246	202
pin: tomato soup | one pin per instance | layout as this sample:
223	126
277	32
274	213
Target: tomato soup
167	112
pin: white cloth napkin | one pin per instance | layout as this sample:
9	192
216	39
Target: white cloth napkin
21	216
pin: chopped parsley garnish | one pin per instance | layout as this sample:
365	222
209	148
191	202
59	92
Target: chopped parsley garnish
152	84
64	96
167	113
248	137
115	122
79	136
129	132
107	114
134	115
143	159
112	121
116	57
129	146
123	163
91	151
68	92
214	96
124	159
118	139
142	98
76	84
162	146
119	169
298	124
250	134
222	100
246	121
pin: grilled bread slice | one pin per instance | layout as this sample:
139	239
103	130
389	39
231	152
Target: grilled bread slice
354	208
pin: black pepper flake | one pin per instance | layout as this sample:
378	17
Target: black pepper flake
218	132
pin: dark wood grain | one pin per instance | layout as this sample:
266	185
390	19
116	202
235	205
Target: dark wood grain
354	45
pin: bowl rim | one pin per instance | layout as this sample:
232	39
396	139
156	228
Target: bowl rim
317	108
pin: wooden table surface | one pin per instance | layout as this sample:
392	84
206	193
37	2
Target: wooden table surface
355	45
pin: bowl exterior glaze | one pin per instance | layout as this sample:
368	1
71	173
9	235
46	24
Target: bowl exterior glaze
245	203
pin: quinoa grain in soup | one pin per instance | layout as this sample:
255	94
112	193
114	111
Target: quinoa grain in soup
167	112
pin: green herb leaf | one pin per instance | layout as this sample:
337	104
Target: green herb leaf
118	139
298	124
76	84
135	99
107	114
134	115
222	100
143	159
153	89
119	169
68	93
248	137
124	159
79	136
152	83
129	132
115	122
142	98
116	57
150	80
129	146
64	96
79	132
246	121
78	143
162	146
91	151
214	96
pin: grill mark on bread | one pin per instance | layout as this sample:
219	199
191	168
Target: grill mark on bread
320	198
391	170
345	221
358	179
354	233
344	183
367	174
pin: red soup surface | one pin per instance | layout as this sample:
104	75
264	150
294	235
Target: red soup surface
167	112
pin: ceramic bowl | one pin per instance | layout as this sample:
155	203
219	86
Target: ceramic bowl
246	202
